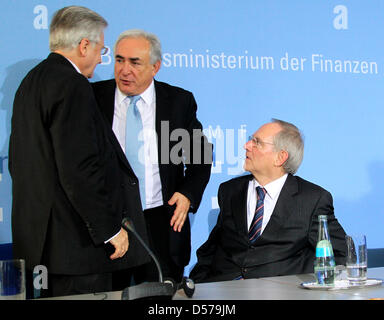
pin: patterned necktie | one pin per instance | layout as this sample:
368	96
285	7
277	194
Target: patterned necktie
257	221
134	144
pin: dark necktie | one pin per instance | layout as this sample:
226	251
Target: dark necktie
257	221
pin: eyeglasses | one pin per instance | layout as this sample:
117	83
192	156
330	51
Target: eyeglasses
104	51
256	142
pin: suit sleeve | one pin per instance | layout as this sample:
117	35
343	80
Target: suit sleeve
79	143
198	168
336	231
206	253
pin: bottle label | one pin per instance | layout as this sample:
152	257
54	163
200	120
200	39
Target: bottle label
323	252
324	249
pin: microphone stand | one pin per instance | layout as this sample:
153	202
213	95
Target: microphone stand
147	290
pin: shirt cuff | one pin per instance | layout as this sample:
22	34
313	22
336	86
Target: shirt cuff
112	237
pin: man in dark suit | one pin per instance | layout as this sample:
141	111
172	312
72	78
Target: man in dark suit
171	185
72	184
268	221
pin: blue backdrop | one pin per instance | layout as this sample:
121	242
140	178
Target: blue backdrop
318	64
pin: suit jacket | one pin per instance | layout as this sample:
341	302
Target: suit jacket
175	109
72	184
287	244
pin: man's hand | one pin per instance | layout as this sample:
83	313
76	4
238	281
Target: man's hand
181	211
121	244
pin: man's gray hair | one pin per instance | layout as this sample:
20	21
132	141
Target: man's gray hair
72	24
291	140
155	50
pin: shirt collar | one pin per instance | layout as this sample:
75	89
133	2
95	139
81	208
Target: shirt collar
273	188
119	96
74	65
148	94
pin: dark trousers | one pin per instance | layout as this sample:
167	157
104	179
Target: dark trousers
158	227
65	285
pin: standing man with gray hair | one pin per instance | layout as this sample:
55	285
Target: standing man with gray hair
157	127
68	168
268	221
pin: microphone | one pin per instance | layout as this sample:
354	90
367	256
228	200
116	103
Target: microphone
127	224
147	290
186	284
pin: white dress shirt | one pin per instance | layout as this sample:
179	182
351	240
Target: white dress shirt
147	108
273	191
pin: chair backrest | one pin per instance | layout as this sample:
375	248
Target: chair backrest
375	258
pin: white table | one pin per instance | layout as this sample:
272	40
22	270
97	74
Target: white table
273	288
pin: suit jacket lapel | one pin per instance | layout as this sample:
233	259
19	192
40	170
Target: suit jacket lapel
162	110
239	205
163	113
285	206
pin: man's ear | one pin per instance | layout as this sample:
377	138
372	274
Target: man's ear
281	158
83	47
156	68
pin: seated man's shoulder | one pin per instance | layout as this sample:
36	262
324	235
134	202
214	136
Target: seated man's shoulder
236	181
309	186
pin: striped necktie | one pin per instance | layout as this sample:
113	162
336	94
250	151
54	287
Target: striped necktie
134	144
257	221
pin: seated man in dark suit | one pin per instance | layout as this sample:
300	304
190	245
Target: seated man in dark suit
268	221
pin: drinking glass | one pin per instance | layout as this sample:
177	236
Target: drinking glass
12	279
356	259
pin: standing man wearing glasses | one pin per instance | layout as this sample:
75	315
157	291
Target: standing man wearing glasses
72	184
268	221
